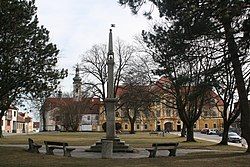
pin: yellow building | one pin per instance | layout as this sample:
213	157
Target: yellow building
166	118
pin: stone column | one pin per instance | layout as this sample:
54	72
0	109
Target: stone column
110	100
110	125
107	148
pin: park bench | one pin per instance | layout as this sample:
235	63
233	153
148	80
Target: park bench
162	133
171	147
153	133
33	147
51	145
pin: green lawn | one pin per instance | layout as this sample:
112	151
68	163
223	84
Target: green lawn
220	156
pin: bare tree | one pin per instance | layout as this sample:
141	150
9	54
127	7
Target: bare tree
186	70
68	112
136	96
219	21
135	103
226	90
94	66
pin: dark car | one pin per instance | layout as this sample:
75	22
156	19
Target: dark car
205	130
234	137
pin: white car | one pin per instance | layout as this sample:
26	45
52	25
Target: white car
234	137
212	131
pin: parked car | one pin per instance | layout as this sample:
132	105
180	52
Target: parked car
212	132
220	133
205	130
234	137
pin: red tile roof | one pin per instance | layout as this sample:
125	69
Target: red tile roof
93	104
20	118
158	87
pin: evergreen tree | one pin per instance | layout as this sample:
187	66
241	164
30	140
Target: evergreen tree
226	22
27	58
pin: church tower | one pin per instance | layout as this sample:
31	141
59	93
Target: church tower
77	84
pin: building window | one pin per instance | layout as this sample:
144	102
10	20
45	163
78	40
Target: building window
158	113
215	126
117	114
88	118
8	123
177	114
145	126
157	102
194	125
137	126
96	117
126	126
122	114
57	118
168	112
206	126
14	113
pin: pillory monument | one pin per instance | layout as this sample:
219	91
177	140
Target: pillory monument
111	143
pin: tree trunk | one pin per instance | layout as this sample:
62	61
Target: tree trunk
1	132
132	127
243	100
240	83
183	130
224	140
44	121
74	128
190	133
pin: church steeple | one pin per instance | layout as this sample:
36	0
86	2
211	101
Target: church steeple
77	84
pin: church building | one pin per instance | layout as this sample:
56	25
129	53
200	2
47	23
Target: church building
83	112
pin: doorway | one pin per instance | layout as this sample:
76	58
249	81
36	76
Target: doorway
178	128
168	126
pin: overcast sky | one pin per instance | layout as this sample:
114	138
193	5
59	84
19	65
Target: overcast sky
76	25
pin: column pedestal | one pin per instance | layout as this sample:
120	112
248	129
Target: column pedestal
107	149
118	146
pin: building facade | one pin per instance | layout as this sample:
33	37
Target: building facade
16	122
9	120
84	111
161	116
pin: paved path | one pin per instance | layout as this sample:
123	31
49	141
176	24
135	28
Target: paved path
215	139
139	153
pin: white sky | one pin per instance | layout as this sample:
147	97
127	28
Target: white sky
76	25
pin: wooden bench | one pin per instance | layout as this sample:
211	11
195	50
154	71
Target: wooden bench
153	133
171	147
33	147
51	145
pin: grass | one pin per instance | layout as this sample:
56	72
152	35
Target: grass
219	156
